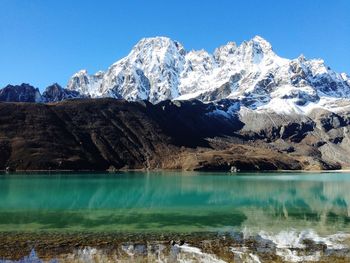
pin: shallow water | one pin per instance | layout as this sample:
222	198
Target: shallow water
180	202
284	208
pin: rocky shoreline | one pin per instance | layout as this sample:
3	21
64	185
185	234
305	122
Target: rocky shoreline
211	247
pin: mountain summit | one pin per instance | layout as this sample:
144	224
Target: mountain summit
251	110
159	68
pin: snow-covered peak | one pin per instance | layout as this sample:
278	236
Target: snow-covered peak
155	44
262	44
256	51
344	76
82	72
301	58
155	52
159	68
199	60
151	71
252	51
86	84
222	53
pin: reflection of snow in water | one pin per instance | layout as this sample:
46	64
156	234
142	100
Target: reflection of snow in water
241	254
183	253
307	245
188	253
290	246
32	258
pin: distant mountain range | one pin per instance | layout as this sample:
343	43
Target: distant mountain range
159	69
27	93
164	107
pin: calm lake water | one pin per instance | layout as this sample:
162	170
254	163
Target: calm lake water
175	202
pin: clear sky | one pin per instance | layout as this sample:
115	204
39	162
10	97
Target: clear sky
46	41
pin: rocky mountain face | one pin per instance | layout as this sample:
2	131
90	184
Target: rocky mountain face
20	93
109	134
98	134
55	93
28	93
159	68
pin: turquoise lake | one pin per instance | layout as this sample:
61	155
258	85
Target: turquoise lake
175	202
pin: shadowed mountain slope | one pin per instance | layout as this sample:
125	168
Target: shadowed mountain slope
101	134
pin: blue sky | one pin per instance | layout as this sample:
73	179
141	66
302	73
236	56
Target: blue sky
46	41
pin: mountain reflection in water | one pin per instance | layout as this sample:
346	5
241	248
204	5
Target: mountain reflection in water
175	202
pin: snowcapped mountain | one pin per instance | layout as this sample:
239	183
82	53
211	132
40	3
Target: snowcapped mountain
159	68
150	72
86	84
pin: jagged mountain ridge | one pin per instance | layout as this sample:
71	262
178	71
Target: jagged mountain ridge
28	93
251	74
159	68
20	93
55	92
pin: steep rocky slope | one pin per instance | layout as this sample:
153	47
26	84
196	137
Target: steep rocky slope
20	93
101	134
55	92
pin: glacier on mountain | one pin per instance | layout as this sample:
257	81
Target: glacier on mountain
159	69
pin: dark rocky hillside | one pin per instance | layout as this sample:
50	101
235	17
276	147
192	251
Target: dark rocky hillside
55	93
20	93
102	134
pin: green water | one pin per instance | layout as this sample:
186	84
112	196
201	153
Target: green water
175	202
